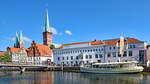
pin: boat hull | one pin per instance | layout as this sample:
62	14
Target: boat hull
110	71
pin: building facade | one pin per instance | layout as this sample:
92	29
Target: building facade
99	51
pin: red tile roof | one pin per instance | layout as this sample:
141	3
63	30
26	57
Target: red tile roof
2	53
44	50
12	50
38	50
98	42
107	42
128	40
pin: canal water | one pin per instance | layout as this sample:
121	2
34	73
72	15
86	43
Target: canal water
14	77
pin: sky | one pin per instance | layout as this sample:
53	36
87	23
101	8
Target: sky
74	20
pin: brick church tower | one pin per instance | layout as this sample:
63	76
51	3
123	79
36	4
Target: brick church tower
47	33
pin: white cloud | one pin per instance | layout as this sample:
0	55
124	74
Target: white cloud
54	31
57	45
68	32
26	39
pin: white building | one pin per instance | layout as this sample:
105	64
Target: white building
18	55
99	51
79	53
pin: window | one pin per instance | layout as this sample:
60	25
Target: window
114	54
96	55
62	58
108	55
141	55
85	50
71	57
119	55
90	56
67	58
133	46
76	62
109	48
99	61
77	57
114	47
86	56
125	53
100	56
58	58
130	53
81	56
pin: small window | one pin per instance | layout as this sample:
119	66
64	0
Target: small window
71	57
86	56
77	57
100	56
108	55
90	56
119	55
125	53
67	58
109	48
96	55
114	47
114	54
130	53
58	58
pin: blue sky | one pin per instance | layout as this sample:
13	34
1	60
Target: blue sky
85	19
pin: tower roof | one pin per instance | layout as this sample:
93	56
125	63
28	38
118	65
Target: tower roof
47	27
16	39
20	38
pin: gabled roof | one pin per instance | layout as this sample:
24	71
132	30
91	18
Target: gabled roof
44	50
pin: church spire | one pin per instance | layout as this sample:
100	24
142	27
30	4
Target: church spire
20	38
47	27
16	40
21	43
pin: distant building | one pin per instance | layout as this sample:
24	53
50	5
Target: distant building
18	55
39	54
18	52
99	51
36	53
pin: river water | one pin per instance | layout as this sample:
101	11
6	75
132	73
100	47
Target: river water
15	77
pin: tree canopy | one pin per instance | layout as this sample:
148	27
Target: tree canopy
5	58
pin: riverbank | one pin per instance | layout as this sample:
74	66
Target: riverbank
64	69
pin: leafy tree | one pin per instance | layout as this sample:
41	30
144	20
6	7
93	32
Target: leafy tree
52	46
5	58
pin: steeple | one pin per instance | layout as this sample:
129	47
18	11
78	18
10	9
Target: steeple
20	38
16	40
47	27
47	34
19	41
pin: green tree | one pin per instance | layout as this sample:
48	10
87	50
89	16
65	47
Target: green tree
5	58
52	46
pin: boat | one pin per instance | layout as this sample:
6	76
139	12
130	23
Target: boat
113	67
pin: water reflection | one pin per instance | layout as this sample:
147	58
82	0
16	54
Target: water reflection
71	78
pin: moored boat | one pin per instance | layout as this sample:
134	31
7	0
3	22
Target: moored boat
113	67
